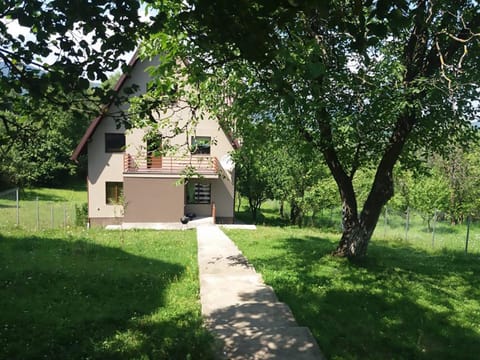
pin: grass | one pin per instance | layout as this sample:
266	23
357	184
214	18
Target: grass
446	236
42	208
402	302
78	294
95	294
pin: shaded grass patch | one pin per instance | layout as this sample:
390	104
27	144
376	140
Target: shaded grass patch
401	302
100	294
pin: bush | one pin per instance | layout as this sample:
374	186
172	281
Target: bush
81	214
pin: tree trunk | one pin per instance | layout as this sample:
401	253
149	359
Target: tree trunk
421	60
295	214
354	241
254	205
239	203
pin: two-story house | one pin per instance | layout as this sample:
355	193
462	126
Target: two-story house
129	183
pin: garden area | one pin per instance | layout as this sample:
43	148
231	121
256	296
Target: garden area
372	106
404	301
89	293
99	294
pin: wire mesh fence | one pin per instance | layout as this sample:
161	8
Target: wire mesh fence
37	214
426	231
429	231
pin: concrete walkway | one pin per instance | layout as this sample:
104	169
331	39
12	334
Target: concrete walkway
243	312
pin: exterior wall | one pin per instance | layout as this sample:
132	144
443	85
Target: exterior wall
103	167
102	222
205	127
223	194
223	197
222	189
153	200
108	167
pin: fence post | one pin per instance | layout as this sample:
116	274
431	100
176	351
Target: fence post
385	222
51	215
64	216
468	234
433	227
17	202
37	206
407	223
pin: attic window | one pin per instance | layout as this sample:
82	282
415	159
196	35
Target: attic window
201	145
114	142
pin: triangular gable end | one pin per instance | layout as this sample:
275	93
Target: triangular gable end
95	122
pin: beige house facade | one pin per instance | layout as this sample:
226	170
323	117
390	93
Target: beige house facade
128	183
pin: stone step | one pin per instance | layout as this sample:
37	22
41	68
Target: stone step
279	343
225	264
254	315
218	292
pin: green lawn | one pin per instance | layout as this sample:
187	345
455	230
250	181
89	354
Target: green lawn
403	302
42	208
392	225
95	294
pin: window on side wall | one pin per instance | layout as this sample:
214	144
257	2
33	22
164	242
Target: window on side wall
114	142
201	145
114	193
198	193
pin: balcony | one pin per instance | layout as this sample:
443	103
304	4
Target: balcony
201	165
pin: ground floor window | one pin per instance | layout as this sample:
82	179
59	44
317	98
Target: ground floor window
198	193
114	192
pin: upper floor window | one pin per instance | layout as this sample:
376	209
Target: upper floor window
114	142
154	144
201	144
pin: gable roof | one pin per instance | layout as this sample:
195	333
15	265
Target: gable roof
95	122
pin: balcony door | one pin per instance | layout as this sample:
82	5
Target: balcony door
154	155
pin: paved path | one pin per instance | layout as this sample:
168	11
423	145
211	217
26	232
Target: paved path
241	310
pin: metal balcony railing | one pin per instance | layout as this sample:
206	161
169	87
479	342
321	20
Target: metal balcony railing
202	165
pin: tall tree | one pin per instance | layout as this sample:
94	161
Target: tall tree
368	83
37	150
63	47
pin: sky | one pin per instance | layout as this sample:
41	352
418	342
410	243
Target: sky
15	29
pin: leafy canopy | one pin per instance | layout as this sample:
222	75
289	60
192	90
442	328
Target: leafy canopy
367	83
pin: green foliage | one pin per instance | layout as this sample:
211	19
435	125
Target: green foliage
401	302
46	74
81	214
362	82
37	140
81	295
447	183
58	31
460	170
252	171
